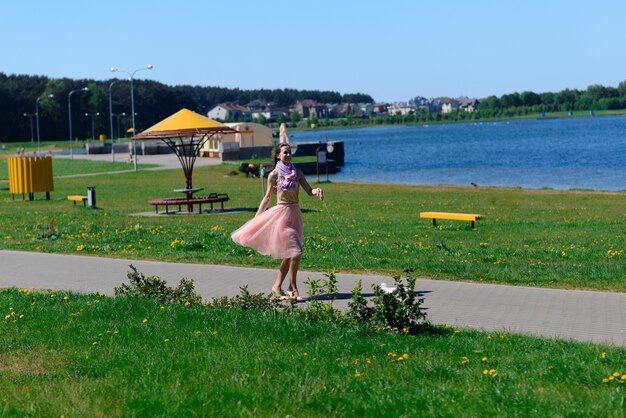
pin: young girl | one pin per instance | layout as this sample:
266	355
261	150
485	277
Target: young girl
278	231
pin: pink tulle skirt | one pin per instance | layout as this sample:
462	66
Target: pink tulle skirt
276	232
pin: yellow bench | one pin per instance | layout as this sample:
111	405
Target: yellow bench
451	216
78	199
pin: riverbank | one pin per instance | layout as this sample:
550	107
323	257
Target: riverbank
304	127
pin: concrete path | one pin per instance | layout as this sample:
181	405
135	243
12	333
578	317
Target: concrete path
598	317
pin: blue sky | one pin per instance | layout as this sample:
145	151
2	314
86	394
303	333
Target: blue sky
391	49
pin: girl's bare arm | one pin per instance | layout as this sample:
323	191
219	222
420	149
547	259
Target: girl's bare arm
307	187
271	183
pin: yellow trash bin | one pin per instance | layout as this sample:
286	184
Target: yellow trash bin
28	175
103	137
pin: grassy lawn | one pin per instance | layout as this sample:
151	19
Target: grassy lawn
63	354
66	167
565	239
90	355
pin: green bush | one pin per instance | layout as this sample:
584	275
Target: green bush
154	287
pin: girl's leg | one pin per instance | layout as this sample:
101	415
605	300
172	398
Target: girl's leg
283	269
294	264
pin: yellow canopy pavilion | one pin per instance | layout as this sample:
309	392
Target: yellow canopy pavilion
185	132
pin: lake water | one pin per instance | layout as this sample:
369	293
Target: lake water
576	153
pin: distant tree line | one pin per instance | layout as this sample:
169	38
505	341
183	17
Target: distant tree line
596	97
154	101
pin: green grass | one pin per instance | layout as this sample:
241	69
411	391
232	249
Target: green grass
564	239
89	355
66	167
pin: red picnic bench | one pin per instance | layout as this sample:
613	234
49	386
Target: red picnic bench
189	202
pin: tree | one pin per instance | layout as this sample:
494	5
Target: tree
490	102
295	117
528	98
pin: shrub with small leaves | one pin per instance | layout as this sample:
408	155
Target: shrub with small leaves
246	301
317	309
154	287
358	311
400	310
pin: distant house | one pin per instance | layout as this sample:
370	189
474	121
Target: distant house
256	104
449	105
380	108
267	110
366	107
401	109
249	135
347	108
468	105
309	108
332	110
230	111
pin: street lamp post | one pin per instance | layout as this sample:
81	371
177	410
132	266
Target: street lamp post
132	103
111	118
69	111
32	130
93	124
117	116
37	118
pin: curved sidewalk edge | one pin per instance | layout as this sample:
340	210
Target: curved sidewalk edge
589	316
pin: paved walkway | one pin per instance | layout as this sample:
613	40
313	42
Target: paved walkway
598	317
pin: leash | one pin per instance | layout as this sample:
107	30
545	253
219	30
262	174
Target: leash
345	241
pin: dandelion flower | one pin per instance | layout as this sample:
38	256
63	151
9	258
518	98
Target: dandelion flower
167	340
616	374
145	320
483	359
603	355
94	343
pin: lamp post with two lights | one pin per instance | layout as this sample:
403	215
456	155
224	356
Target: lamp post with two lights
93	123
132	103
